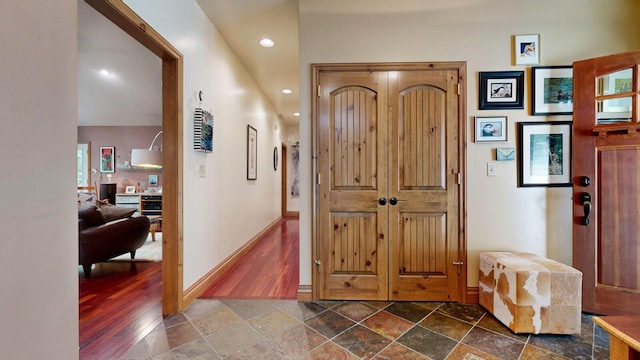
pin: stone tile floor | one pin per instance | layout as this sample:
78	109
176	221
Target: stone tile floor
287	329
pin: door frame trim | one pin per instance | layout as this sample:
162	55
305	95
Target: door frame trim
461	67
173	300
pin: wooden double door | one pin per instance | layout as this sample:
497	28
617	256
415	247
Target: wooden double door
389	181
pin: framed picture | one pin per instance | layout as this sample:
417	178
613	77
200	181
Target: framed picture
153	180
107	156
501	90
130	190
203	131
552	90
275	158
526	49
544	153
491	128
252	153
505	154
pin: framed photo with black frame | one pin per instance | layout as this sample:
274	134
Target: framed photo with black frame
544	153
501	90
552	90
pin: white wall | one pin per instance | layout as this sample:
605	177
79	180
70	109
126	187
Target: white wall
500	216
222	211
38	211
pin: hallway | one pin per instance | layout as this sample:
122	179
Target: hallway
269	271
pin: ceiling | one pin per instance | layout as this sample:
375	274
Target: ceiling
131	93
243	23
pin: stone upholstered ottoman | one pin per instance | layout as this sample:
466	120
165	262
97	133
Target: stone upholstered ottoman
531	294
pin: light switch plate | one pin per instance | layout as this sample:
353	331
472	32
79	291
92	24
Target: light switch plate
491	168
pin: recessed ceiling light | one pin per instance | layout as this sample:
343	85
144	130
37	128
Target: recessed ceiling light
296	114
105	72
267	42
287	91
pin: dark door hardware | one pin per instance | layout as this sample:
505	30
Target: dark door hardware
585	200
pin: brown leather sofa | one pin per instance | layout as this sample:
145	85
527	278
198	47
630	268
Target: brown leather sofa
101	237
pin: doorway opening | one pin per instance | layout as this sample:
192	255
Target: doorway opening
172	207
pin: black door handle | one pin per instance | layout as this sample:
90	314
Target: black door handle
393	201
585	181
382	201
585	200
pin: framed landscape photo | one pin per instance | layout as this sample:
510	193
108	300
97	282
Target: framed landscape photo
107	159
526	49
130	190
544	153
501	90
491	128
252	153
552	90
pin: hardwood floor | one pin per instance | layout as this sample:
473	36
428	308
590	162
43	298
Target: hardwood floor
269	271
119	305
122	302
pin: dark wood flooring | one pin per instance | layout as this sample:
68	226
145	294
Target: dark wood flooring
122	302
119	305
269	271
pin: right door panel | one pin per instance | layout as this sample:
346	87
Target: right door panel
606	187
423	170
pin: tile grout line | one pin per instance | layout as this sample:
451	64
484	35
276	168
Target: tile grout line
202	335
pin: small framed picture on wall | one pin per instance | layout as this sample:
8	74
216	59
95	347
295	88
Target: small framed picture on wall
501	90
491	128
252	153
153	180
526	49
552	90
107	159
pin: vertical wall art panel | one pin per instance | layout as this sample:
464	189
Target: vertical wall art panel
295	178
252	153
203	131
107	159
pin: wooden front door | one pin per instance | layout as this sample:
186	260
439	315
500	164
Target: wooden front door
606	190
389	182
